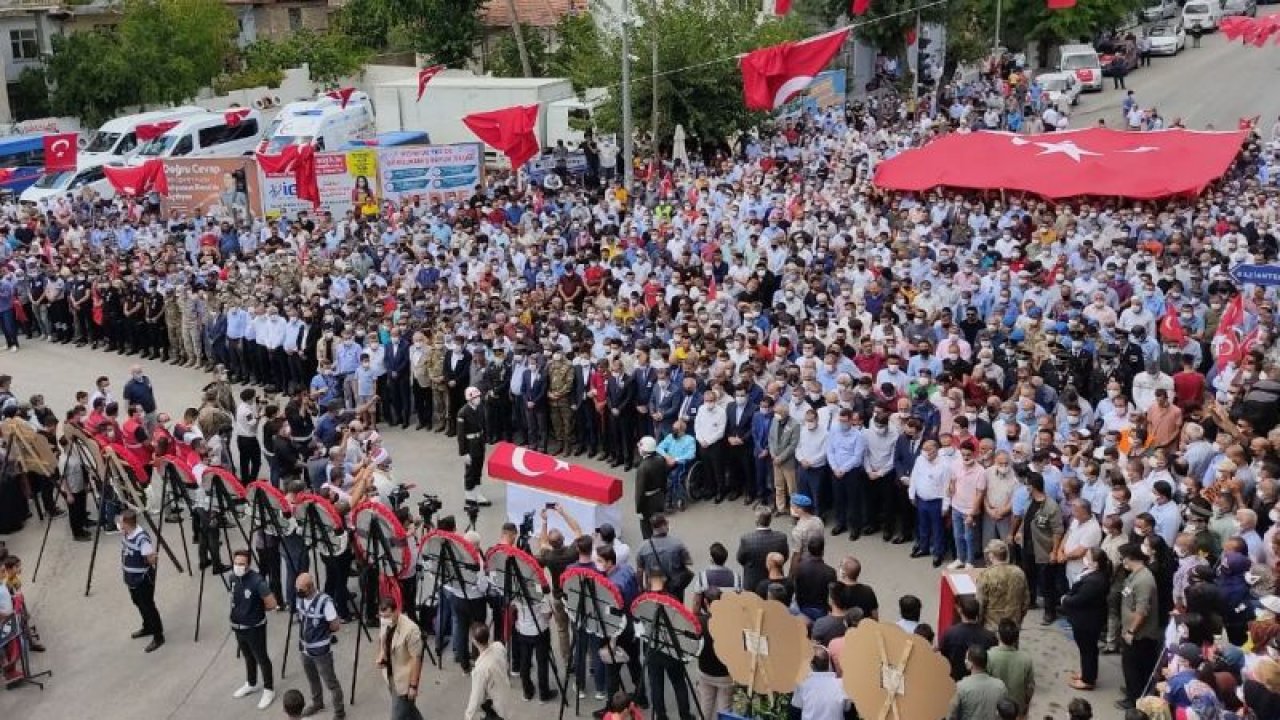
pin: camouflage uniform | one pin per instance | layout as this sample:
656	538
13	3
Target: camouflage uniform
173	326
439	390
192	327
558	393
1002	588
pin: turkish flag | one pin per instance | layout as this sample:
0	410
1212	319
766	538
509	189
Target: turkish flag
300	161
424	77
523	466
1170	329
860	7
909	36
138	180
235	116
781	7
60	152
342	95
1227	346
151	131
1061	4
1094	161
510	130
773	75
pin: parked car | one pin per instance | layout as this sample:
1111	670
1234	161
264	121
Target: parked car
1060	88
68	182
1167	38
1081	61
1124	59
1240	7
1203	14
1159	10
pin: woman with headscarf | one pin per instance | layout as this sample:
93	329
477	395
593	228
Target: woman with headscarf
1161	561
1235	591
1085	606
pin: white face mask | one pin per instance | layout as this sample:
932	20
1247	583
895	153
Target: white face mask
385	622
239	570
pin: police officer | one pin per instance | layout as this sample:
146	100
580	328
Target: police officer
470	426
138	558
251	598
317	622
497	405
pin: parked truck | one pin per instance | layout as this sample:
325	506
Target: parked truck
451	95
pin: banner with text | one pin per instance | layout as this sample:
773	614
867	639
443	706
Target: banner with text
224	188
346	180
433	173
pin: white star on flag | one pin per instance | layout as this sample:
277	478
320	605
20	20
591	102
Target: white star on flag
1066	147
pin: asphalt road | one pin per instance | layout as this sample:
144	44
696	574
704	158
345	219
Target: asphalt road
98	670
1215	84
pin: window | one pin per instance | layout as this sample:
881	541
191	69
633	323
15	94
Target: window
211	136
247	129
24	44
295	19
182	148
88	176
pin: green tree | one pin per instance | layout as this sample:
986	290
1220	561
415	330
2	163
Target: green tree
504	59
29	97
446	30
364	23
91	76
175	47
699	85
328	56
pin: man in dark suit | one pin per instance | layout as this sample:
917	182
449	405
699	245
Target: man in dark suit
585	433
738	458
534	397
457	374
663	403
651	484
688	401
754	548
643	377
897	509
397	362
620	403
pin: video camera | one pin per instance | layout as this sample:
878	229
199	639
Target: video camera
472	509
428	507
398	496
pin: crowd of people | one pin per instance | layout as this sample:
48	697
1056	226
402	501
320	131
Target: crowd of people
987	380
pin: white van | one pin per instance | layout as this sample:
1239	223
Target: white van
1081	61
203	135
1204	14
117	141
322	122
68	182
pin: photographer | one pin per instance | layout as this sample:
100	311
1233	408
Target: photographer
245	428
556	555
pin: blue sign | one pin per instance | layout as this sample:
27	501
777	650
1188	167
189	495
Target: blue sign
1266	275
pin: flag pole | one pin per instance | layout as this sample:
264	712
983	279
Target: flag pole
996	43
628	148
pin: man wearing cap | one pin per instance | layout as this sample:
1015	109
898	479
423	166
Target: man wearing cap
470	429
1002	588
1139	625
650	484
807	525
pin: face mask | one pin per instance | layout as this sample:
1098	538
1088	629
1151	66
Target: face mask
239	570
1180	551
812	424
304	594
386	622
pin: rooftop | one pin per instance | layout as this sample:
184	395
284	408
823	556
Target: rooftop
536	13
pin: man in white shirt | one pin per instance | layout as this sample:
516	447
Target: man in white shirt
926	488
708	429
245	428
1083	534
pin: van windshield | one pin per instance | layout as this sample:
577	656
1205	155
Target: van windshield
1079	62
278	143
55	180
1196	9
103	142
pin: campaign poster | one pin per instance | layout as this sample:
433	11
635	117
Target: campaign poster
343	178
432	173
220	187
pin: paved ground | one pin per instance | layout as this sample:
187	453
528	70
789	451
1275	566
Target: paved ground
93	659
1217	83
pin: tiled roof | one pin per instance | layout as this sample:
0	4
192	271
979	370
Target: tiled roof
537	13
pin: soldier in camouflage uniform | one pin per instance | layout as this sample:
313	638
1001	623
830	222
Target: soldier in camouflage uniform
439	389
1002	588
192	327
173	326
559	392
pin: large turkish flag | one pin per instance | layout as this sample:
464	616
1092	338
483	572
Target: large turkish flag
1096	161
523	466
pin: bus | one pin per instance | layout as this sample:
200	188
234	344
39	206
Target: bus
21	162
396	138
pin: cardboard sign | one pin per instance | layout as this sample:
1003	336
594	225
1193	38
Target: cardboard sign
889	672
763	645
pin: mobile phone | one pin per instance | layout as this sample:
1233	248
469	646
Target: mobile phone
551	506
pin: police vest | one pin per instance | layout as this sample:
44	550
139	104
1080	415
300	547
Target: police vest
314	637
721	577
248	611
135	565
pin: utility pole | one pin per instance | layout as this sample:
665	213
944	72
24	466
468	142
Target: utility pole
653	48
525	67
996	43
628	147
